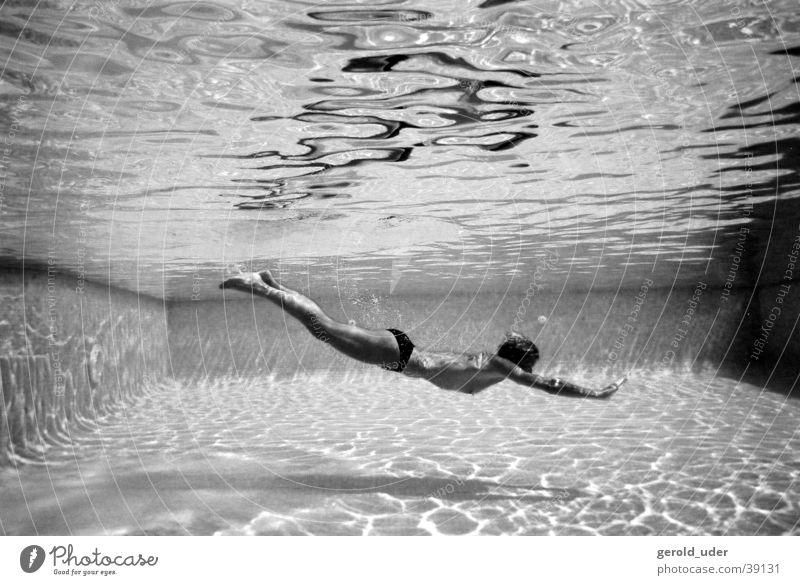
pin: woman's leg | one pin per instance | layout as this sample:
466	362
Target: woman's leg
373	346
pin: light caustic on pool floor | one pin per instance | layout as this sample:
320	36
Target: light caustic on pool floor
384	454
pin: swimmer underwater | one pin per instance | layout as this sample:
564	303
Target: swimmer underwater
393	350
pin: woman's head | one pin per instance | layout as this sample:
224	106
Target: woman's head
519	349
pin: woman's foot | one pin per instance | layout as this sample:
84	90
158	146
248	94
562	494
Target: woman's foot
269	280
244	281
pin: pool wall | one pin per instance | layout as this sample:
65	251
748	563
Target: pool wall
775	268
776	336
72	351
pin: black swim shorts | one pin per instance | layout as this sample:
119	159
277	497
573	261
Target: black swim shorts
406	347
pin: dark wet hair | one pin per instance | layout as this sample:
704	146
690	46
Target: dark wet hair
520	350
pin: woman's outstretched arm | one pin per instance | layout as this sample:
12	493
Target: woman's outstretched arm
553	385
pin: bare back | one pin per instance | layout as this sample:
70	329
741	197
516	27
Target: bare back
468	373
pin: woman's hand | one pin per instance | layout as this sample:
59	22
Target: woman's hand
562	387
608	390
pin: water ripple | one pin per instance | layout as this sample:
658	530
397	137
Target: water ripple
654	124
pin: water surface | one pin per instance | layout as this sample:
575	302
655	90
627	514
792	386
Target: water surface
454	144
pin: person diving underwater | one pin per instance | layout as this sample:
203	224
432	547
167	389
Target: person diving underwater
469	373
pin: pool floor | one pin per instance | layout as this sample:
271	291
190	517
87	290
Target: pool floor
385	454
